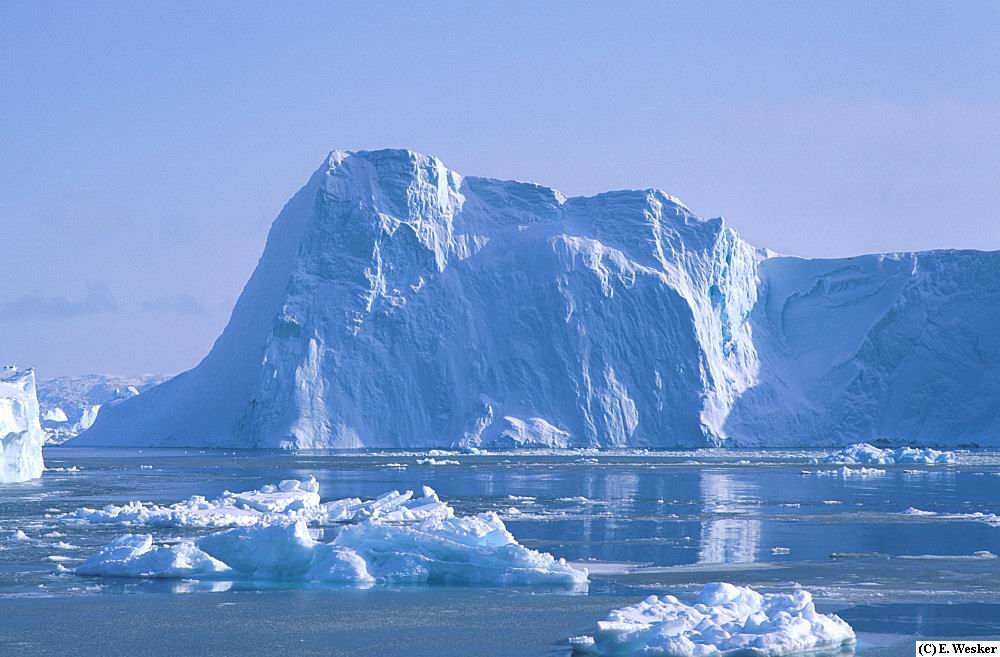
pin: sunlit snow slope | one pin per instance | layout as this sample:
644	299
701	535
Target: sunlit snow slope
400	304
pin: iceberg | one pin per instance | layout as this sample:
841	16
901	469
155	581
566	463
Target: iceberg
21	436
400	304
70	404
865	454
393	539
721	620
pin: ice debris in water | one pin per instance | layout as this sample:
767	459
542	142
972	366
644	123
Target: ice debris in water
991	519
849	473
394	538
291	499
863	453
721	620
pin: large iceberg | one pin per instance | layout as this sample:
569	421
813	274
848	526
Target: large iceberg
70	404
395	538
21	435
400	304
721	620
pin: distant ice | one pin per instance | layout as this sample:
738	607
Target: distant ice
721	620
851	473
991	519
434	461
863	453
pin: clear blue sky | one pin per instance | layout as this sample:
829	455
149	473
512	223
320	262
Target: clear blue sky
145	147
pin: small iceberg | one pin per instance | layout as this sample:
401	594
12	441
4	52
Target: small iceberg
722	620
393	539
865	454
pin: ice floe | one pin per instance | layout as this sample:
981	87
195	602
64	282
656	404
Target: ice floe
845	472
863	453
289	500
393	538
434	461
991	519
722	619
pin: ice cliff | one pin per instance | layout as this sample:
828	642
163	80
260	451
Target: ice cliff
21	436
401	304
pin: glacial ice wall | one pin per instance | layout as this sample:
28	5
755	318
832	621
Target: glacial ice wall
903	347
21	435
400	304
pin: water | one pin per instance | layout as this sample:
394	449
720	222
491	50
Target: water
643	523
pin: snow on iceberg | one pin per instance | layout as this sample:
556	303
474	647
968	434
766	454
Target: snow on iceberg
467	550
863	453
21	436
289	500
721	620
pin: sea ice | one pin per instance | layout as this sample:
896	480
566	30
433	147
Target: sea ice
721	620
863	453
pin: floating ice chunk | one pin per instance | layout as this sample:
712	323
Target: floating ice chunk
780	550
134	555
473	549
434	461
389	507
287	501
863	453
991	519
291	497
913	511
721	620
290	494
845	472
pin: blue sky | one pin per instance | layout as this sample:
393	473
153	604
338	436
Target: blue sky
146	147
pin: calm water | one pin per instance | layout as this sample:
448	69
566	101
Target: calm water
643	523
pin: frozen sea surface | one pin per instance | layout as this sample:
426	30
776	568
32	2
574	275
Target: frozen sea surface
643	523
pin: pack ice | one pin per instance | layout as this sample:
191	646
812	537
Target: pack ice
721	620
394	538
400	304
21	435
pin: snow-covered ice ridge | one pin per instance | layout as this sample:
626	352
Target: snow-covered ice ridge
21	435
401	304
722	619
395	538
70	404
